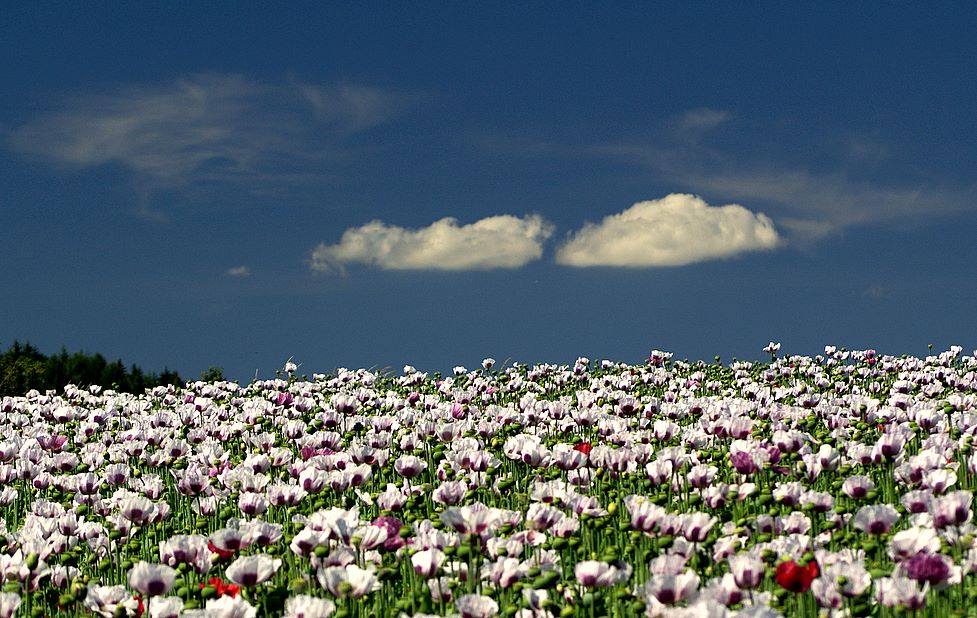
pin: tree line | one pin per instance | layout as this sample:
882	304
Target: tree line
23	367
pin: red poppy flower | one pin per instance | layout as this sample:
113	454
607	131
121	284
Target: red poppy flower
221	587
222	553
796	578
583	447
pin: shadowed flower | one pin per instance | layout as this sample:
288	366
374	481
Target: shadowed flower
743	462
9	602
933	569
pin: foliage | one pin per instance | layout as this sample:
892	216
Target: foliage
23	368
840	485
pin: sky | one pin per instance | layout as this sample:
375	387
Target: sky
378	184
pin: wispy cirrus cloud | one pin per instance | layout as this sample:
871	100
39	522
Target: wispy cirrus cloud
502	241
676	230
808	204
206	128
820	189
238	271
702	119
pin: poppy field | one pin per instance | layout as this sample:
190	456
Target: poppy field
834	485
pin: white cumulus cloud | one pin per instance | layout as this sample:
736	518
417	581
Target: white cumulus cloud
502	241
676	230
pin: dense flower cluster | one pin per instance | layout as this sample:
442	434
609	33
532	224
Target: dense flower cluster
831	484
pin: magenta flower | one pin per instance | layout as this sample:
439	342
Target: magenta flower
52	443
392	525
933	569
743	462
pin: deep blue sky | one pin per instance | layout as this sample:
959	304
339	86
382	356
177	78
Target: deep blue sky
166	175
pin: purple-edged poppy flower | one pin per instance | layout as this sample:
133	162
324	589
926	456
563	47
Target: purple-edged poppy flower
926	567
392	525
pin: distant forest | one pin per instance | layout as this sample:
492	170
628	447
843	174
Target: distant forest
23	367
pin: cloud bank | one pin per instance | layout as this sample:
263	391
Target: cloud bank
502	241
676	230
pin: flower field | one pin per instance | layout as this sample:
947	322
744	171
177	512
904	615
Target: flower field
838	485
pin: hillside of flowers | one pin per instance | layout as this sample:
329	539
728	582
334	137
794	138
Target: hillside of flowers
839	485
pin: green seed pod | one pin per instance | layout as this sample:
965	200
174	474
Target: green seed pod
546	580
609	555
208	592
